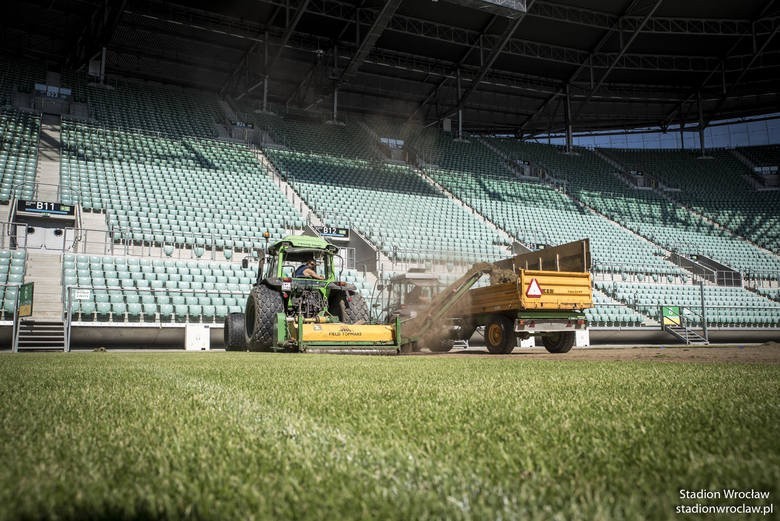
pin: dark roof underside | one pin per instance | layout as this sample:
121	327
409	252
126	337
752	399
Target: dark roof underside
623	63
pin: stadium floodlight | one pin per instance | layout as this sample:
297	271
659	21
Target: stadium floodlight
506	8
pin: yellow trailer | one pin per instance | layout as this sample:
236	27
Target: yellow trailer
542	294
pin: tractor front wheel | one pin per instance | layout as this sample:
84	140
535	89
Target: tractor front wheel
234	332
262	306
500	336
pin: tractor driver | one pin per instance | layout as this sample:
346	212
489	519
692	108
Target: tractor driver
308	271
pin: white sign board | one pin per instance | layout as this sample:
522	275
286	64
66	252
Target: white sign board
82	294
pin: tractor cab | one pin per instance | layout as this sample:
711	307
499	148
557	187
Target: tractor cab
288	255
410	293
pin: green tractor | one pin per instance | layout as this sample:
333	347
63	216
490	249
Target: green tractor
284	299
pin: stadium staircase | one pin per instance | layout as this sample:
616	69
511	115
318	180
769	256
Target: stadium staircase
742	158
41	334
510	165
686	335
500	232
375	140
48	170
45	270
620	172
310	216
45	329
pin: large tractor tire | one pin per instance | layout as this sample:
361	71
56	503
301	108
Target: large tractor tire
234	332
352	309
262	305
500	336
558	342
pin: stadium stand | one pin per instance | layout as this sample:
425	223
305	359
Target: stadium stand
18	76
765	157
147	160
608	312
739	308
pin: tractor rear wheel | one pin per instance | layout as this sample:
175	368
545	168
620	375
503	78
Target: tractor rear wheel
262	305
234	332
558	342
351	309
500	336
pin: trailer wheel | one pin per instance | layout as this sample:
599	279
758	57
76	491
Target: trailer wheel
558	342
234	332
500	335
465	329
262	305
439	345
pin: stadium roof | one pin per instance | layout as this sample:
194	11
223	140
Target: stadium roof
515	66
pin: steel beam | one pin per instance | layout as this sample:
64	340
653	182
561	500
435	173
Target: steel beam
473	45
493	56
97	32
623	49
285	38
377	28
713	71
735	84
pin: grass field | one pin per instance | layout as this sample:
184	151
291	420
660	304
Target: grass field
254	436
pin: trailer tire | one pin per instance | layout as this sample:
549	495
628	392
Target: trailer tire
234	332
262	305
500	336
465	329
558	342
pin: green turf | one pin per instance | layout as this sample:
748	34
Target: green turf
255	436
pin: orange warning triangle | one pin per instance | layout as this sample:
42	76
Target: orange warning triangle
533	291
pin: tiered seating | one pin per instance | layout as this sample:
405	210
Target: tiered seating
389	204
163	110
608	312
770	293
18	154
669	224
717	189
129	288
384	127
726	306
199	193
471	156
18	77
319	138
156	290
539	215
12	270
762	157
